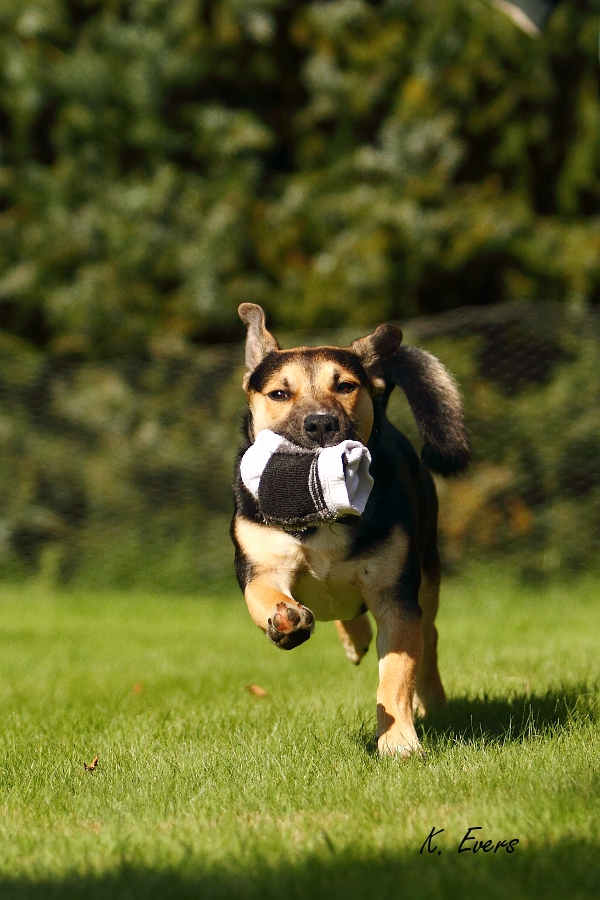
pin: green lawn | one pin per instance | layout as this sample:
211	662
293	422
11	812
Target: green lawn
204	790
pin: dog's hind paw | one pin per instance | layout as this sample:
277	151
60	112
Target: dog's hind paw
290	625
402	750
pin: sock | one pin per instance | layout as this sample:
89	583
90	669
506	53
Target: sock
299	487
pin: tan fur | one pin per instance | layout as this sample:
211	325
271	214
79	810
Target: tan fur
362	415
317	568
262	597
275	562
399	649
282	562
429	689
356	636
267	413
259	341
312	386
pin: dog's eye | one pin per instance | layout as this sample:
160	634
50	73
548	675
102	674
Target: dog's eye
346	387
279	395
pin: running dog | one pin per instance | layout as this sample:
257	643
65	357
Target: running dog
386	561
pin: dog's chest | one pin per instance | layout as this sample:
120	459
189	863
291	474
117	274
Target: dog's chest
328	584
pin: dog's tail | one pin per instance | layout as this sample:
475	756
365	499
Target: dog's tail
436	405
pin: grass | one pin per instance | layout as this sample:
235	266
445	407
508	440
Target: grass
204	790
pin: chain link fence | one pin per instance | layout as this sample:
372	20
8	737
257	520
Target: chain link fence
117	473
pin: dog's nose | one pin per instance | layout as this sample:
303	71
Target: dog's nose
322	429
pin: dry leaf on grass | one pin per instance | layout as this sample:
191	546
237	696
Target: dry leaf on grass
92	765
138	688
256	690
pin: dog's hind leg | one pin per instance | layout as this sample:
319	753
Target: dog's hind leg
356	636
399	647
390	587
430	691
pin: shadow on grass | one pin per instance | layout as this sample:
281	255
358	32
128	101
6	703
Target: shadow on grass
497	720
559	870
513	718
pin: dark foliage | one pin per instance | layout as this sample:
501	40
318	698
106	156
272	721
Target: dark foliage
342	162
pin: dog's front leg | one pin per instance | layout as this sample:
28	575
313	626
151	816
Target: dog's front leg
399	648
267	560
286	622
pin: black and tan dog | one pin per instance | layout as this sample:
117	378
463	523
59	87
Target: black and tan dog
385	562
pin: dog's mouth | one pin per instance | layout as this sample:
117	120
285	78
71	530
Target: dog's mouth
312	525
317	430
305	444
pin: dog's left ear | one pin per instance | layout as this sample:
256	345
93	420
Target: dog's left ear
259	341
373	348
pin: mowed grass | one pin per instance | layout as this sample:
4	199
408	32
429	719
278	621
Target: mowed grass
204	790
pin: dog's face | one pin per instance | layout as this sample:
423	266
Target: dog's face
314	397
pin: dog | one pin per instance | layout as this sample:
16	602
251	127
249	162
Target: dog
385	562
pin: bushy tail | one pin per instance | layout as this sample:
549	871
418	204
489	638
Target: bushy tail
436	405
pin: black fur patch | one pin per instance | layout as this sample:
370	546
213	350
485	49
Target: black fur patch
244	567
396	470
409	582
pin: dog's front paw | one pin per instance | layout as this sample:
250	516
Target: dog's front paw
290	625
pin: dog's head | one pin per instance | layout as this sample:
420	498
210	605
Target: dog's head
313	396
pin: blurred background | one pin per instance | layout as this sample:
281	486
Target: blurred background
342	163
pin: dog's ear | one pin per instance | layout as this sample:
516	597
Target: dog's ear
373	348
259	341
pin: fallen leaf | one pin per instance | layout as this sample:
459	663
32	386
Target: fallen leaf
92	765
256	690
138	688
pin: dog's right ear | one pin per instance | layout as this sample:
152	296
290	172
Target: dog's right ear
259	341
